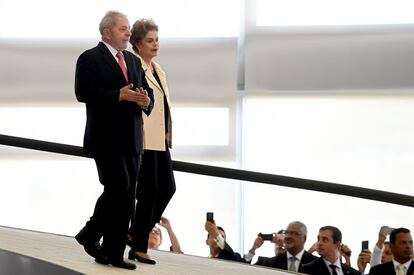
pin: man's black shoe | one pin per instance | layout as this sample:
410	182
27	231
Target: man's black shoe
94	249
117	263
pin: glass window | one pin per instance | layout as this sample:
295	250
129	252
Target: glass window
200	126
333	12
360	141
364	141
80	18
61	124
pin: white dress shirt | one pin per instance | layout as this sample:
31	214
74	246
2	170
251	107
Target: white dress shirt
337	263
298	258
406	266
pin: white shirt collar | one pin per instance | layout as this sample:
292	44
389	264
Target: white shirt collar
111	49
298	256
337	263
406	264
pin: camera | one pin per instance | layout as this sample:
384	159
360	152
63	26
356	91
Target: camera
266	237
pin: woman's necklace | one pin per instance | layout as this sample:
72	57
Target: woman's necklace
150	67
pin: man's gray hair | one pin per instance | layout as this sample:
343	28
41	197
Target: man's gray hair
109	20
302	227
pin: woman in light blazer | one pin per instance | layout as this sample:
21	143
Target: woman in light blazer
156	184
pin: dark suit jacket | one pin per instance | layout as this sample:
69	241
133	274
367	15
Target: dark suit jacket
318	267
280	261
261	260
227	253
111	126
388	269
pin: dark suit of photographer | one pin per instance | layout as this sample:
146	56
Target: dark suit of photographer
219	248
281	261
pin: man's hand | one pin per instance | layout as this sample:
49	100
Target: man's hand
257	243
381	238
211	229
164	222
363	259
126	94
139	96
346	253
143	99
313	247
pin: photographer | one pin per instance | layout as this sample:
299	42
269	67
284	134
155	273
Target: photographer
382	251
363	260
219	248
276	238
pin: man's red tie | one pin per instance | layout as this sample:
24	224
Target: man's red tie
121	62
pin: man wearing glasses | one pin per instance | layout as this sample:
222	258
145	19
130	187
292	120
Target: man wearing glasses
295	255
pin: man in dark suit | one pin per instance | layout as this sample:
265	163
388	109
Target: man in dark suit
219	248
295	255
278	240
401	244
111	82
328	247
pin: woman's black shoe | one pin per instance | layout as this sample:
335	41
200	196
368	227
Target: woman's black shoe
133	256
117	263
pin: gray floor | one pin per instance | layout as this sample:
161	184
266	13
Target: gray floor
67	253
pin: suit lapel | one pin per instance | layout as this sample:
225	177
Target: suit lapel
306	258
149	74
322	266
151	77
284	261
346	269
110	60
411	269
161	76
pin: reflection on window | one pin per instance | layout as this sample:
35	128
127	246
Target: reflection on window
333	12
56	124
200	126
62	124
80	19
360	141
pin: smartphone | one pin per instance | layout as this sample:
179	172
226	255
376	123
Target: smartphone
210	217
364	245
266	237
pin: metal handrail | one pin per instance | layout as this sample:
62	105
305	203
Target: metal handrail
235	174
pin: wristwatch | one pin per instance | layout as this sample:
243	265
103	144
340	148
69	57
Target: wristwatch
219	238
